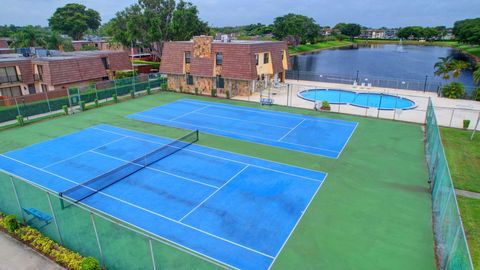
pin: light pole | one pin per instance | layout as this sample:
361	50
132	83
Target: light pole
357	77
425	84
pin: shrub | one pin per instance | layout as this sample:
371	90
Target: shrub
20	120
149	91
196	90
325	105
181	89
65	109
453	90
10	223
227	94
82	105
164	86
476	94
214	92
115	98
132	94
466	123
90	263
96	102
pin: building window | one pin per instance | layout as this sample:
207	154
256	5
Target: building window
44	88
105	63
220	82
188	57
266	58
219	59
189	79
256	59
8	75
31	89
14	91
39	76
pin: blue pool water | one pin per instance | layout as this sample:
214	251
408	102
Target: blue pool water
370	100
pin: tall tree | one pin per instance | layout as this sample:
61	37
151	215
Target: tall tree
159	15
468	31
74	20
476	74
352	30
301	27
186	23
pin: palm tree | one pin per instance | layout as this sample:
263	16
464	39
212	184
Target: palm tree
457	66
476	74
442	67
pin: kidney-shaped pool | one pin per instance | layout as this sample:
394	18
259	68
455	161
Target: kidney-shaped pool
360	99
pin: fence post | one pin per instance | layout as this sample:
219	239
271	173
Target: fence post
54	217
476	126
18	200
151	253
451	118
16	104
98	240
48	101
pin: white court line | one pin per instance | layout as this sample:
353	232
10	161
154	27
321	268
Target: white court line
291	130
146	210
296	224
242	120
155	169
213	193
236	161
349	137
263	111
82	153
185	114
246	135
134	228
207	147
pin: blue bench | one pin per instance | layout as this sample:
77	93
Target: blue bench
38	214
266	101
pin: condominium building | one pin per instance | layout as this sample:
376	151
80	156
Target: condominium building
21	75
240	67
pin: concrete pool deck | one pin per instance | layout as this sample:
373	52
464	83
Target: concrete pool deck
450	112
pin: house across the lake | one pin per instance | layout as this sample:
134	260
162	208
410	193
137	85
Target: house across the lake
239	67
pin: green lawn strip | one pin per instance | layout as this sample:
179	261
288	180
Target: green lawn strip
292	50
372	212
463	157
470	212
151	63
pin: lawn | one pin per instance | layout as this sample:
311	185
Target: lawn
372	212
463	157
292	50
470	212
472	49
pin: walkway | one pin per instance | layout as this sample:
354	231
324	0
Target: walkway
18	256
468	194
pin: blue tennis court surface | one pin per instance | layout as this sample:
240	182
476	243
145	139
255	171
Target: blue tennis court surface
235	209
314	135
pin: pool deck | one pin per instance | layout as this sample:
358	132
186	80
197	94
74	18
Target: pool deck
450	112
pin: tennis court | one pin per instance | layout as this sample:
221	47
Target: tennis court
313	135
232	208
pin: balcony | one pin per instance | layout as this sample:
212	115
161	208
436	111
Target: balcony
10	79
38	77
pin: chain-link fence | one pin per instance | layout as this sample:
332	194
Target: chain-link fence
426	85
377	103
451	243
117	245
50	102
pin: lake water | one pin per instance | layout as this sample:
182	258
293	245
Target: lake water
390	61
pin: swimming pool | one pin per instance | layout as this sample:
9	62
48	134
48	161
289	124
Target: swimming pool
360	99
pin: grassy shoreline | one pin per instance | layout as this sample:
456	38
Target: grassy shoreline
308	48
471	50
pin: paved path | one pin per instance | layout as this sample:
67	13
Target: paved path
15	255
469	194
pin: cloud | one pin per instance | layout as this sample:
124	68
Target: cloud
373	13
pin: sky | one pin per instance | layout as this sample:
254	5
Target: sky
370	13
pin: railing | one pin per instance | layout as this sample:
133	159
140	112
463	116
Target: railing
426	85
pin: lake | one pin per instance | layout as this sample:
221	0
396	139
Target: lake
386	62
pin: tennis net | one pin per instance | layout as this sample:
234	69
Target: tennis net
92	186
